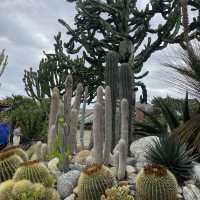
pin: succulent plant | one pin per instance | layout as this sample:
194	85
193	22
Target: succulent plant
25	190
34	171
93	182
6	190
155	182
171	153
17	150
117	193
9	162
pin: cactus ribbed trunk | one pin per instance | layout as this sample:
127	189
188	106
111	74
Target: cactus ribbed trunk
67	111
54	109
126	91
124	122
122	159
112	80
117	123
97	135
73	131
83	118
108	126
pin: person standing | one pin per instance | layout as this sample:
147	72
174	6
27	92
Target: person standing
4	134
17	133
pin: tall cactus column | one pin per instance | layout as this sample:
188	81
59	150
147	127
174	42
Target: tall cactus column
83	118
54	109
126	91
108	125
112	80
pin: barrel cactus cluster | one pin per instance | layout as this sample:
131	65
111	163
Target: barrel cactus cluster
26	190
94	181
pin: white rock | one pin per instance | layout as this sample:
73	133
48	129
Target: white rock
191	192
130	170
197	172
71	197
67	182
139	148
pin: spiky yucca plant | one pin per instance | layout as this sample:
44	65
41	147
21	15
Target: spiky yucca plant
117	193
171	153
9	162
18	151
155	182
34	171
93	182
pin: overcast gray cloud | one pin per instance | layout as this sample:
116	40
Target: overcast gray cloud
27	28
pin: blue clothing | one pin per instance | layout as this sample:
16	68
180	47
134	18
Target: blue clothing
4	133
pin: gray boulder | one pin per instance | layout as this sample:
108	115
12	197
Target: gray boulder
139	148
67	182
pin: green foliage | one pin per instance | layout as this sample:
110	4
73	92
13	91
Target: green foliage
117	193
34	171
93	182
155	183
171	153
32	115
9	162
52	72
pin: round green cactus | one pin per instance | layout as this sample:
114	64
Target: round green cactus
117	193
9	162
93	182
155	182
6	190
34	171
18	151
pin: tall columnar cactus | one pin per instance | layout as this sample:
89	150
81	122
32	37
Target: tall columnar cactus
126	91
124	122
121	173
94	181
112	80
77	99
54	109
108	126
9	162
117	122
34	171
83	118
97	134
116	162
154	182
44	151
73	130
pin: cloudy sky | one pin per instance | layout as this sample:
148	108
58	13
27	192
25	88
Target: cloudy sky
27	28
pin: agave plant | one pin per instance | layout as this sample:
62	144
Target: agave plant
168	151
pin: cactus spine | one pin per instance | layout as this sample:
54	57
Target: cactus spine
111	79
54	109
83	118
154	182
108	126
126	92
